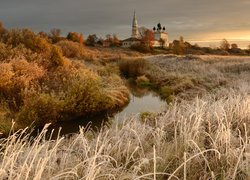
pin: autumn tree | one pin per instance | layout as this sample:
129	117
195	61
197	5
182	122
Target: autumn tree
113	40
43	34
81	39
148	38
91	40
234	46
1	27
75	37
224	45
55	32
248	49
235	49
55	35
179	46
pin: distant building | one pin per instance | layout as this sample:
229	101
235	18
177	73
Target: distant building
135	36
106	43
160	36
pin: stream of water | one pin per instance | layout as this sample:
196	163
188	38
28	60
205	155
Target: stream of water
141	100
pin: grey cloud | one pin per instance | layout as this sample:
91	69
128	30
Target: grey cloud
190	18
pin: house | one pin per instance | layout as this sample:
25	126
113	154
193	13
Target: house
106	43
131	42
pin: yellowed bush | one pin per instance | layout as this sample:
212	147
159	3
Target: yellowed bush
71	49
142	80
25	72
36	43
132	67
56	57
5	121
4	53
85	94
6	74
39	109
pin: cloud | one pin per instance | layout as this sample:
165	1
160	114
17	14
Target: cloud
190	18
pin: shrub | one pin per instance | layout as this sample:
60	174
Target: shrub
143	81
142	48
4	52
26	72
28	38
39	109
56	57
71	49
84	96
6	74
5	120
132	67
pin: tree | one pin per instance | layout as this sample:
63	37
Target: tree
179	47
148	38
115	41
234	46
75	37
224	45
81	39
162	42
2	29
112	40
55	32
43	34
248	49
91	40
55	35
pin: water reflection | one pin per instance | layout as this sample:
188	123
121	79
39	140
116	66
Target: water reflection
141	100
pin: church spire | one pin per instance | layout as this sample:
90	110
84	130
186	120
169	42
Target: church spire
135	30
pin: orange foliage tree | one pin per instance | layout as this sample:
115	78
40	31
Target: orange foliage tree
148	38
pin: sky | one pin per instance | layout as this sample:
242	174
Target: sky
205	22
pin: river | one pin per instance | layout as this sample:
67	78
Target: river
141	100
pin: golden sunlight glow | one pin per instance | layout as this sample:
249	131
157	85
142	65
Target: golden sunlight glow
242	38
233	35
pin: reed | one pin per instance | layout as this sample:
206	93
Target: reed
207	138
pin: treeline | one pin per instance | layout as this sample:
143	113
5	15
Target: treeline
183	47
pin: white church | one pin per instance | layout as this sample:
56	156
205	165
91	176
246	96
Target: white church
160	36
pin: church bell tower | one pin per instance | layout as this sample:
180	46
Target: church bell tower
135	29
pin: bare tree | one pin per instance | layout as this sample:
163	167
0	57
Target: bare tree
225	45
1	28
55	32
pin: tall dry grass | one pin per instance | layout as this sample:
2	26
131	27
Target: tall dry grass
189	76
206	138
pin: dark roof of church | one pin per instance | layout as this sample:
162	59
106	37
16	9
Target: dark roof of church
132	39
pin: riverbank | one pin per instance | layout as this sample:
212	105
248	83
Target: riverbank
44	82
204	138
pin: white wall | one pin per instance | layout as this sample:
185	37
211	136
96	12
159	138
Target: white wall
158	36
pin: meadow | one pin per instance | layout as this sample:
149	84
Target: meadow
203	132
